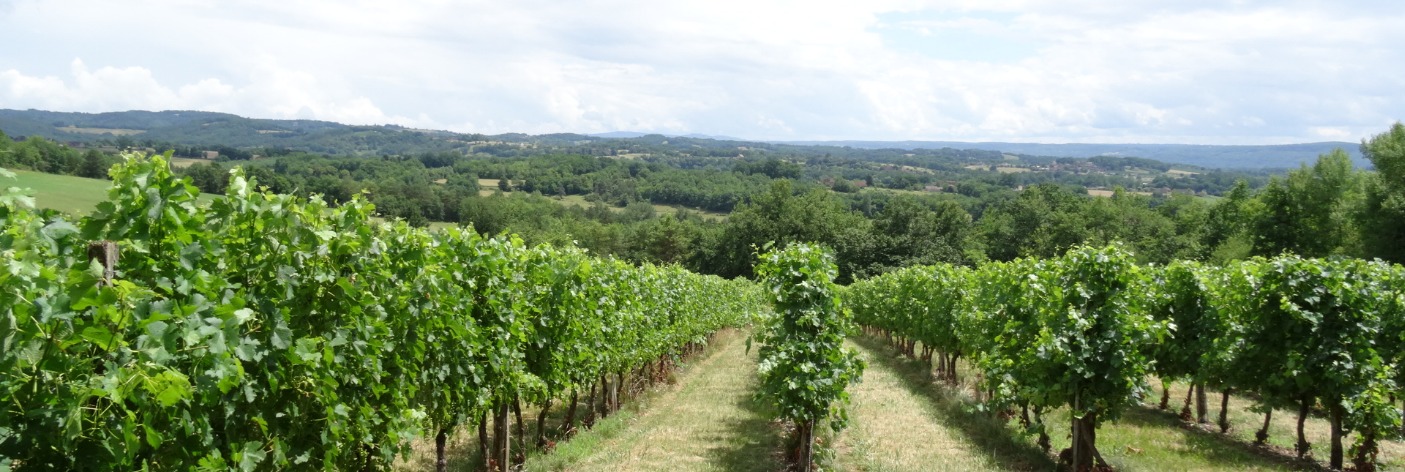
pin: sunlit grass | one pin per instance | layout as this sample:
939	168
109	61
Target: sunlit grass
708	421
901	422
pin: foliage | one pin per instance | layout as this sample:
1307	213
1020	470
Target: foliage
805	367
267	332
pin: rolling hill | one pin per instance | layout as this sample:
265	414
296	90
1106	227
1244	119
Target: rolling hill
197	128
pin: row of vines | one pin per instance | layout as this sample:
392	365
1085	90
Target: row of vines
1086	331
260	331
804	366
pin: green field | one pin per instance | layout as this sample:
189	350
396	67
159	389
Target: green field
65	193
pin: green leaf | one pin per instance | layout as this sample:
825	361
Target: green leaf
98	335
250	457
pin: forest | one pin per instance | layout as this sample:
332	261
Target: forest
878	210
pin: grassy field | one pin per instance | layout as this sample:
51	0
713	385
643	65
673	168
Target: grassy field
73	195
183	162
68	194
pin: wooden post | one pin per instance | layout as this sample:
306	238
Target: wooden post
106	254
805	450
502	443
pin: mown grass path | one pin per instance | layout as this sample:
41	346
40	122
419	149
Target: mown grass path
899	421
708	421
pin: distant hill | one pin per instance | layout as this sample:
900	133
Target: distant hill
197	128
636	134
1201	155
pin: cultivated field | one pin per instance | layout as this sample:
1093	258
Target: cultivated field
111	131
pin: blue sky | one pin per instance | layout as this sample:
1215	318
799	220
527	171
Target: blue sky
1151	71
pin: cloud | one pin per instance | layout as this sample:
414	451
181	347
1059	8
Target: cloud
274	93
1022	70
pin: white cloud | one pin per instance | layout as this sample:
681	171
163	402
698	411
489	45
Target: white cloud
1081	70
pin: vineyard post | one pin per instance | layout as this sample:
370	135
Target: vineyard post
807	444
106	254
502	444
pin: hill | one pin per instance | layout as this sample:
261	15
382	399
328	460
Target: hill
196	128
1200	155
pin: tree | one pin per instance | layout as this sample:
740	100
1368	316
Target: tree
1130	219
909	233
1307	212
780	216
1382	217
94	165
1225	236
1044	221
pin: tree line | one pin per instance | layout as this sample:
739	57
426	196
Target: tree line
1327	208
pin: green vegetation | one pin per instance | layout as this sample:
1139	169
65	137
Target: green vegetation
1079	334
345	332
805	367
330	344
75	195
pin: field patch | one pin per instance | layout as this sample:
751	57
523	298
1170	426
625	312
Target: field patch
183	162
73	195
65	193
1105	193
100	131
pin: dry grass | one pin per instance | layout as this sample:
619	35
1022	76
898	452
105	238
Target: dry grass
487	187
1102	192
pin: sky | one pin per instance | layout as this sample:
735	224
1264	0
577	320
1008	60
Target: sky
1148	71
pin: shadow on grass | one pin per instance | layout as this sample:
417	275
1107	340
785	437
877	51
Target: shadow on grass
756	444
990	435
1211	443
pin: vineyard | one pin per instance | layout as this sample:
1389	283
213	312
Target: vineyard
262	331
266	332
1085	331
